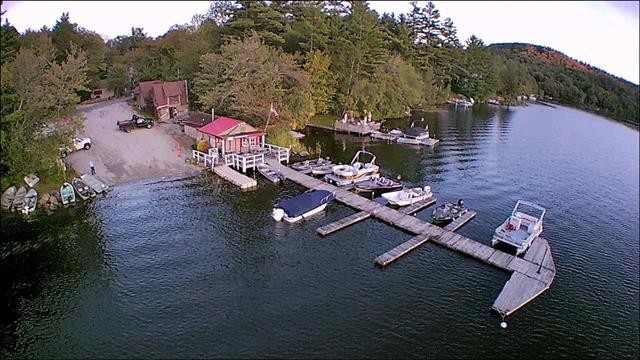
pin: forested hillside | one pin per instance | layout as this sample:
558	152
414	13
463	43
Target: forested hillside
304	57
575	83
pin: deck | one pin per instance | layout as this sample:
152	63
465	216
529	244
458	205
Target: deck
227	173
531	276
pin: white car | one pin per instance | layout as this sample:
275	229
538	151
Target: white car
78	144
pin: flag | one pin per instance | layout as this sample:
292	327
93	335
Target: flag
273	111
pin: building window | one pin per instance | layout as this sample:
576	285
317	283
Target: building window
253	142
245	142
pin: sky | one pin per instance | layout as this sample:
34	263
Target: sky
604	34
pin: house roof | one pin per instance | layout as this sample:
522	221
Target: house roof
224	126
197	119
158	91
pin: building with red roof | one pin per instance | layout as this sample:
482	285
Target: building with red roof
230	135
167	99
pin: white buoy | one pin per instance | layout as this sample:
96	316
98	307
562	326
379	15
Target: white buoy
503	324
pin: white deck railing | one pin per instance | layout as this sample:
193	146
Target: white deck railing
200	157
247	161
280	153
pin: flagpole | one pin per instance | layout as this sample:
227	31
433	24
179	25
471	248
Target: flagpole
268	117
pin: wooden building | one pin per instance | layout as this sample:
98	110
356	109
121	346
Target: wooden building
195	121
231	135
167	99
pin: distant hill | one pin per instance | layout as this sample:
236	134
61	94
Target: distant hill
575	83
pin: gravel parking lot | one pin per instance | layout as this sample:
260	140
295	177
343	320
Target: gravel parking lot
122	157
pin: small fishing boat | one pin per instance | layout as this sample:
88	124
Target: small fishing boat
522	227
67	194
322	169
448	212
18	200
414	135
406	197
306	166
396	132
383	136
379	185
30	201
269	173
302	206
83	190
96	184
8	196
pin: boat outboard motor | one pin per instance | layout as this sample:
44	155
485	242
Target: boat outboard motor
460	202
277	214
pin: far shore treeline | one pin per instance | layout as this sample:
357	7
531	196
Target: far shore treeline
304	57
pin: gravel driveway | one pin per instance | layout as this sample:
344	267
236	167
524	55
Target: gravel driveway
122	157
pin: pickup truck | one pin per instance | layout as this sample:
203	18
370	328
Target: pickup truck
135	122
78	143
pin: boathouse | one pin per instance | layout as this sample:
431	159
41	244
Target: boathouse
167	99
231	135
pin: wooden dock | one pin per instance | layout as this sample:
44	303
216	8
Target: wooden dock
362	215
402	249
236	178
457	223
531	276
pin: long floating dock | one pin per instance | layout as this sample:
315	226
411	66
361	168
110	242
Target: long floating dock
234	177
400	250
531	276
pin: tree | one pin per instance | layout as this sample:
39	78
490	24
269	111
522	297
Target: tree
248	76
9	42
322	80
117	79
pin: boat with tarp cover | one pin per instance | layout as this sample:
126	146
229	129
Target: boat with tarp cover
302	206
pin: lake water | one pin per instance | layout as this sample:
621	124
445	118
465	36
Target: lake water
197	268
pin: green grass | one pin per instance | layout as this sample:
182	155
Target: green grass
49	180
325	119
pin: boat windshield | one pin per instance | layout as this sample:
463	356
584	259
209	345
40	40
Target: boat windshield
530	209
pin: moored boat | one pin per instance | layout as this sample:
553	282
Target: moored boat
269	173
359	170
93	182
18	200
448	212
406	197
30	201
8	196
306	166
522	227
302	206
67	194
379	185
83	190
322	169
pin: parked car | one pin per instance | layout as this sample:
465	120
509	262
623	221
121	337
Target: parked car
79	143
135	122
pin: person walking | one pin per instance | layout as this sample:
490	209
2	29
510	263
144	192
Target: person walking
93	169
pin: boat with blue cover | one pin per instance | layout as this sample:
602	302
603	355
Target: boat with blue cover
302	206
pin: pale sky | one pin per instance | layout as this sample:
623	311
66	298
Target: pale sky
603	34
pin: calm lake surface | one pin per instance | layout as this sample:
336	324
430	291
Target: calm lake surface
196	268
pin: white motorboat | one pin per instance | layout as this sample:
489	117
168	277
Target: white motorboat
406	197
302	206
322	169
414	135
358	167
522	227
66	194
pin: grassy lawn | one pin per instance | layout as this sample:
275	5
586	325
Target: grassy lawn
49	180
326	120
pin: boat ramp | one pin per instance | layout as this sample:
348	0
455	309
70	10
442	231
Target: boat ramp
531	275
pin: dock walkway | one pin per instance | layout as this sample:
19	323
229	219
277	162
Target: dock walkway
227	173
531	276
